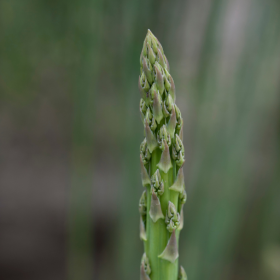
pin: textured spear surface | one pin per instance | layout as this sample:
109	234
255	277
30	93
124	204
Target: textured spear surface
68	76
161	159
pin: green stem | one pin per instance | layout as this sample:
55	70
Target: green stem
163	126
165	266
157	234
154	230
171	268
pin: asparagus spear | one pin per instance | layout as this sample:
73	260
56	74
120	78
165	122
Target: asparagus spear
161	159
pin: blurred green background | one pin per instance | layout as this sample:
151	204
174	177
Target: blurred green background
70	133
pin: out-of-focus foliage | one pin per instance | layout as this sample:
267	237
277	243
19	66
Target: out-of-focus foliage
70	135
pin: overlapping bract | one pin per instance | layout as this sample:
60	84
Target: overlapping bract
163	127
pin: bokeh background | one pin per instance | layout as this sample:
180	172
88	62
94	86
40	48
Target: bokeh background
70	133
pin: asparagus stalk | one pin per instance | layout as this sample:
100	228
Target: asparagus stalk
161	160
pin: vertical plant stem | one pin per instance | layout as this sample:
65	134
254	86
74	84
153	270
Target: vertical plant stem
163	151
157	236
